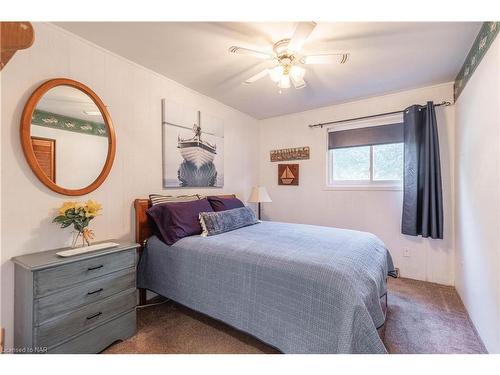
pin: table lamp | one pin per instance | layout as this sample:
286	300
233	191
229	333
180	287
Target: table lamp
259	195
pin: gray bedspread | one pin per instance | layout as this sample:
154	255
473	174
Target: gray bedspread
300	288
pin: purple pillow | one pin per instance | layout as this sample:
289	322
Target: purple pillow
223	204
177	220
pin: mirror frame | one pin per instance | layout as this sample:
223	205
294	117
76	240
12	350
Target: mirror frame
26	136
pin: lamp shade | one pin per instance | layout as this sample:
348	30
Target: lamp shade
276	73
284	82
259	194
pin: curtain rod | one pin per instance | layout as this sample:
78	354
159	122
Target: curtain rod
446	104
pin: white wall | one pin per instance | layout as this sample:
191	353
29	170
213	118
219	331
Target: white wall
478	197
79	157
132	94
378	212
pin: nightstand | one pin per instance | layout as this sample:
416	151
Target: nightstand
79	304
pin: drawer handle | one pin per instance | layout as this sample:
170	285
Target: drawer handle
94	316
95	268
95	291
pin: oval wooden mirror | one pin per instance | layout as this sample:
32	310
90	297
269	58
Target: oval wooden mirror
68	137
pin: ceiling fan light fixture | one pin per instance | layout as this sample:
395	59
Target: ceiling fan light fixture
276	73
91	113
297	73
298	84
287	58
284	82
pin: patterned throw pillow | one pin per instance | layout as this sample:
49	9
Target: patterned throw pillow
159	199
213	223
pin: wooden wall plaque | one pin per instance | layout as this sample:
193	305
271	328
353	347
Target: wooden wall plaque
285	154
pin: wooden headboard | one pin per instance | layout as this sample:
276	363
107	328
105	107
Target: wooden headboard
143	228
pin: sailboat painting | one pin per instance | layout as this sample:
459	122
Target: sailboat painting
288	174
193	147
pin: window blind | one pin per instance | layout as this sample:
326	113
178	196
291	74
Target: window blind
372	135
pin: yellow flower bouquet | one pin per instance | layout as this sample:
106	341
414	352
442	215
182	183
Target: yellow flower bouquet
79	215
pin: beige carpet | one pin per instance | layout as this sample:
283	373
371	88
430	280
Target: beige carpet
422	318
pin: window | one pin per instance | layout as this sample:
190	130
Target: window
370	156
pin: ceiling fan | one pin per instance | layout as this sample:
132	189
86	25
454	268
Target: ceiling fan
287	58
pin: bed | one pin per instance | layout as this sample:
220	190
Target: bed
300	288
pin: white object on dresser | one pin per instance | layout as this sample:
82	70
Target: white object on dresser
87	249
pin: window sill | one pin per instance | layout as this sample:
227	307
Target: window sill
363	187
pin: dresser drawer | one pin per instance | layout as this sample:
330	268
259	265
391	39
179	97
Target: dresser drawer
49	307
51	279
56	331
99	338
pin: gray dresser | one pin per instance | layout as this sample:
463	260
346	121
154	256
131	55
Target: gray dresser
79	304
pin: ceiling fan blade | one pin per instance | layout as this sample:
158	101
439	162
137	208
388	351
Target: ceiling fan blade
327	58
257	76
298	83
300	35
250	52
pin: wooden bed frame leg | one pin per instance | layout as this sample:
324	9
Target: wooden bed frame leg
142	296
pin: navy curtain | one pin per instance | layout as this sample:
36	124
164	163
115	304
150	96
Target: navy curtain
423	196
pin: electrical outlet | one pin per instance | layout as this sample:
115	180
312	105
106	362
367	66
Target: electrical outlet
406	252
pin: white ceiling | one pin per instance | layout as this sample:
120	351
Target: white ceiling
68	101
384	57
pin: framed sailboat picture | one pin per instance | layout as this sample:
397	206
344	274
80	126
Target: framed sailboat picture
193	147
288	174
